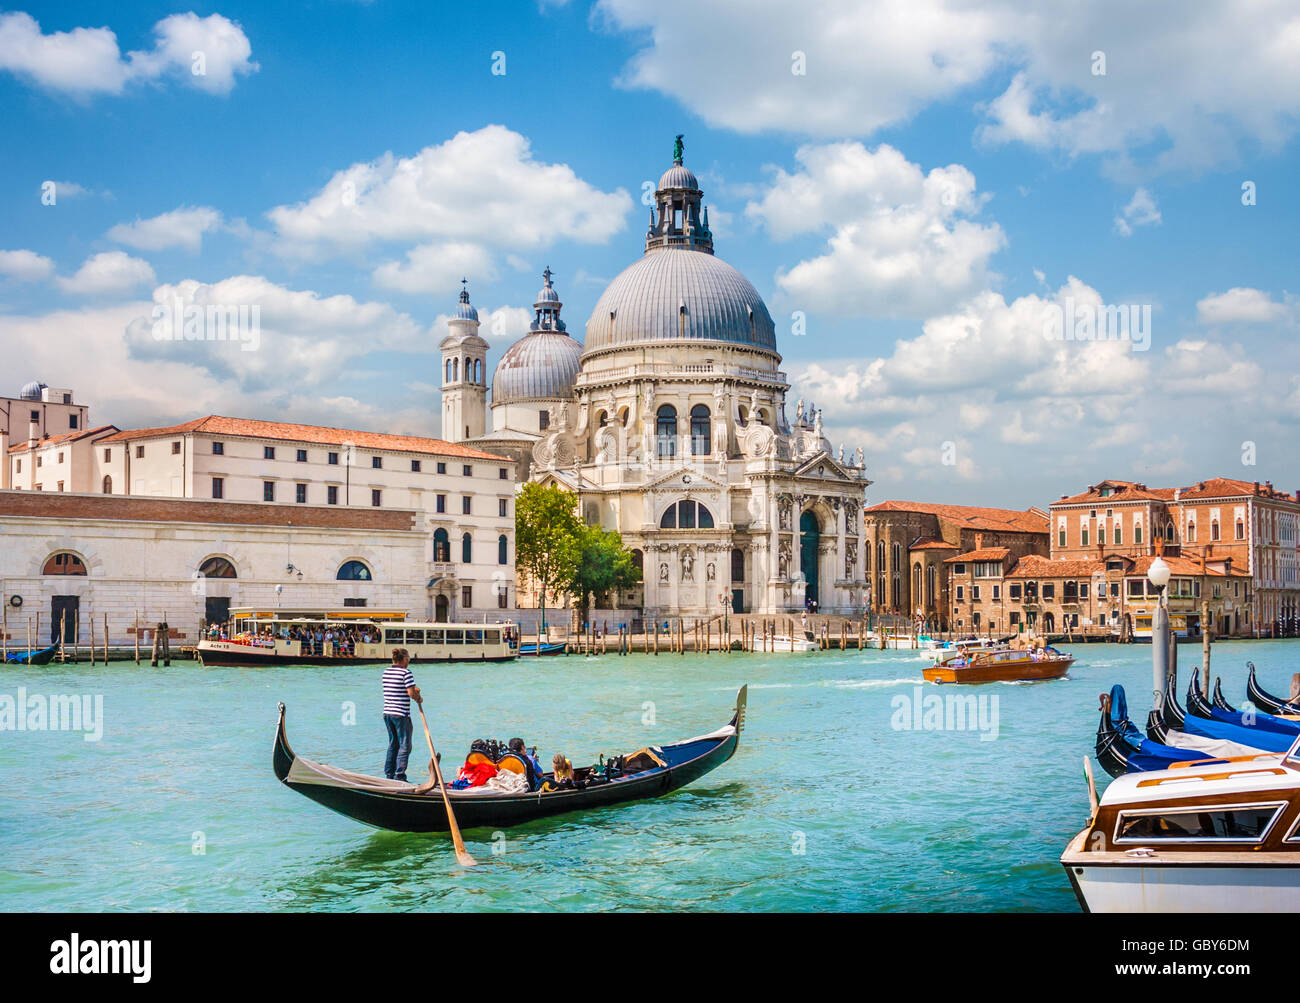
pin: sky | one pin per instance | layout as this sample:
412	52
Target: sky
1010	252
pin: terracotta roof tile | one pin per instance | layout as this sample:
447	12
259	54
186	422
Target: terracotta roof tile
931	543
987	554
254	429
21	447
1037	566
974	517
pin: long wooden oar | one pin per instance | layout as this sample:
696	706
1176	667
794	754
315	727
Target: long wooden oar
462	854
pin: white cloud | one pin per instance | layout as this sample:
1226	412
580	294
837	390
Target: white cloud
1185	89
1140	211
108	273
902	244
183	227
25	266
86	61
301	338
436	268
477	186
1240	305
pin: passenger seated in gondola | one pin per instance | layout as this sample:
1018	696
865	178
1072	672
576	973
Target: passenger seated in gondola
478	768
562	775
534	767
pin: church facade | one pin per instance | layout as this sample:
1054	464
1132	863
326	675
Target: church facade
670	423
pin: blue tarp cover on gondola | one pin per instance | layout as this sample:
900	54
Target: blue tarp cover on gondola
1147	755
1259	738
1257	719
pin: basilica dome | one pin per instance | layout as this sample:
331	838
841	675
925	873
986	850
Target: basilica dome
543	364
679	291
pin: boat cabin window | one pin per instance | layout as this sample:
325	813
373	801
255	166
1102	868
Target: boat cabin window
393	636
1235	825
492	636
415	637
434	637
455	637
473	637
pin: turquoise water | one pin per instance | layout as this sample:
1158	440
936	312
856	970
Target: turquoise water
886	819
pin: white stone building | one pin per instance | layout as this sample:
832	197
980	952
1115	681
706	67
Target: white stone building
670	422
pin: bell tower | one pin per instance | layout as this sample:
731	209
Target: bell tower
464	374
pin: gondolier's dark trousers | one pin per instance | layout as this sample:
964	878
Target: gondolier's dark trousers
399	745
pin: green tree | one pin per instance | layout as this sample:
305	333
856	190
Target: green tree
548	535
604	565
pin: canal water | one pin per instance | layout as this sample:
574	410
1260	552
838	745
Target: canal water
836	799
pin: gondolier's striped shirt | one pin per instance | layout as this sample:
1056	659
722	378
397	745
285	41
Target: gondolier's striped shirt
396	699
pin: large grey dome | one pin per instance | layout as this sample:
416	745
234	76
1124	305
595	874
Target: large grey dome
679	294
542	365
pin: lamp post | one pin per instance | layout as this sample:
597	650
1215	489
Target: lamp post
724	600
1158	574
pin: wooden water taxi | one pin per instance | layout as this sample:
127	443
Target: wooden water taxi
351	637
1207	836
1007	665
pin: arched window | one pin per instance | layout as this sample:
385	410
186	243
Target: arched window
602	419
686	514
1241	530
737	565
64	564
441	545
896	552
478	370
455	370
447	375
880	563
503	550
1191	531
217	567
916	584
666	430
466	549
353	571
1169	532
701	441
108	485
638	562
929	587
1214	529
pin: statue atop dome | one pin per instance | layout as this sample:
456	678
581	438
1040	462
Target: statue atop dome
677	149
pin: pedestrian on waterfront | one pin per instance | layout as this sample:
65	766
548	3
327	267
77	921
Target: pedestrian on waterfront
399	690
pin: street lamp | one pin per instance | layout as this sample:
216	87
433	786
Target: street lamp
1158	575
724	600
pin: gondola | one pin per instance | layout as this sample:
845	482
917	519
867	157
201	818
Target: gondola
1173	720
397	806
43	657
1122	749
1219	700
1251	720
548	648
1266	701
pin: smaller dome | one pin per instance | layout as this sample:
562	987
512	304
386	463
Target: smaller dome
32	391
678	176
464	311
542	365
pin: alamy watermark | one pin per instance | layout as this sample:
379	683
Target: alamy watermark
922	711
179	321
1070	321
57	712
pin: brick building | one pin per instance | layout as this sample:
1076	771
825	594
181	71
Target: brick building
907	543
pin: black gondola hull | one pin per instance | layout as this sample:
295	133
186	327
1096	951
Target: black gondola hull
1266	702
405	811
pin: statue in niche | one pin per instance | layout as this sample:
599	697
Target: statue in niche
663	573
754	414
688	566
711	572
783	507
783	559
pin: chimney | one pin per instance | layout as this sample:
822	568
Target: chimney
979	541
1160	546
1257	488
33	435
4	461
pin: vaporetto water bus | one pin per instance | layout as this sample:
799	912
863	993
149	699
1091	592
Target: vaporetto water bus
351	637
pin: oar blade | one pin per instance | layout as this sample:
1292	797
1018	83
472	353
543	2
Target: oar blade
464	859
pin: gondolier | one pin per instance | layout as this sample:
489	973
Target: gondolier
399	690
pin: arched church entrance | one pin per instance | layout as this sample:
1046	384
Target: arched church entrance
810	532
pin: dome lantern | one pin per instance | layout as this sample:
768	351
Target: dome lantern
677	199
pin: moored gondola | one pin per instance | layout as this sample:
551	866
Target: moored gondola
1218	698
1250	721
42	657
406	807
1266	701
1122	749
